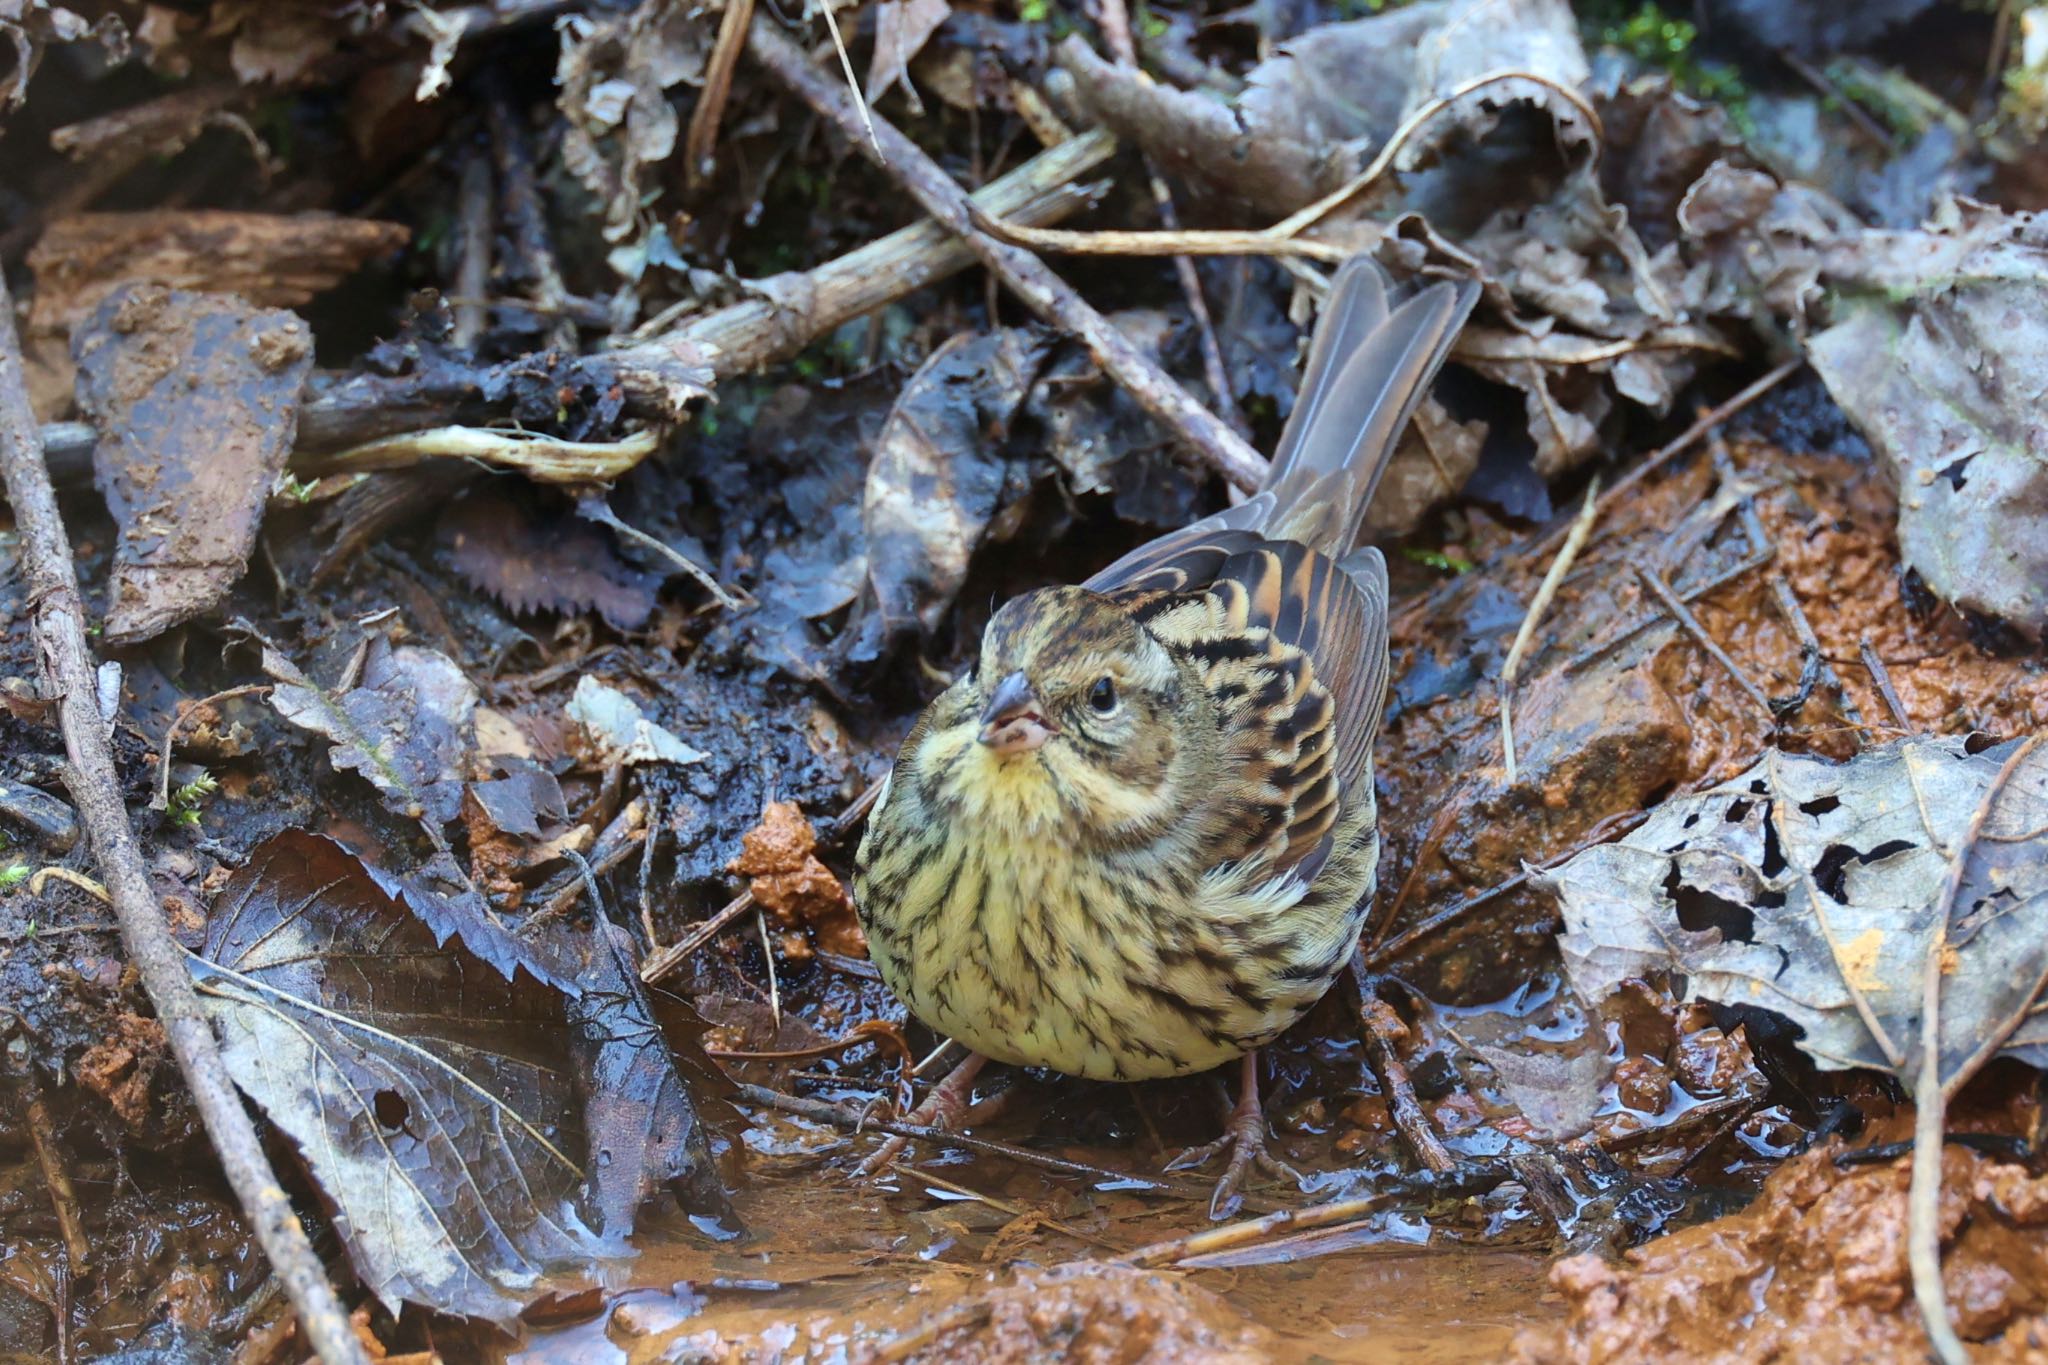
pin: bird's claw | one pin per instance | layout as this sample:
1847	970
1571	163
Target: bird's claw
1245	1146
943	1108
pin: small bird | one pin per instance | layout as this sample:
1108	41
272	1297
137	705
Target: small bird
1139	838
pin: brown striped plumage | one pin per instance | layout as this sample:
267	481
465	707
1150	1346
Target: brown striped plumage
1139	839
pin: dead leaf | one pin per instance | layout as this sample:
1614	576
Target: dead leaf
31	25
196	402
615	73
939	473
407	726
533	562
615	727
1939	342
902	28
1813	889
427	1065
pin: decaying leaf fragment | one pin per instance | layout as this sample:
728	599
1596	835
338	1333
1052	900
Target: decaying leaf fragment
196	401
1816	890
479	1118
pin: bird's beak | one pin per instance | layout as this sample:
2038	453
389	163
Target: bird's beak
1012	723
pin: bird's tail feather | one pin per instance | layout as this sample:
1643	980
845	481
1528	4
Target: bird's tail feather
1370	363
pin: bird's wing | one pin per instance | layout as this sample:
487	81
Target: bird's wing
1293	648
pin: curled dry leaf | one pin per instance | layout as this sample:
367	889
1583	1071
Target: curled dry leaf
28	26
902	28
1938	348
615	73
1816	890
196	401
779	857
939	473
451	1091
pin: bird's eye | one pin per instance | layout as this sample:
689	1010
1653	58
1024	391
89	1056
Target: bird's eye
1102	696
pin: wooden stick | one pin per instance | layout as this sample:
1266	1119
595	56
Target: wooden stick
1050	297
1680	613
68	674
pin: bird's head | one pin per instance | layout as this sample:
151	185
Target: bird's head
1074	717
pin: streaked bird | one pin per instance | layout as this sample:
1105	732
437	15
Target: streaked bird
1139	839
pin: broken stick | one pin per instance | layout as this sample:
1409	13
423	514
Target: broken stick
68	676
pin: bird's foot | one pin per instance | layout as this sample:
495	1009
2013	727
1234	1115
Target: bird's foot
1244	1142
942	1108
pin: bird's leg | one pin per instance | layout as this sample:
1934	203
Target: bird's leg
942	1108
1244	1137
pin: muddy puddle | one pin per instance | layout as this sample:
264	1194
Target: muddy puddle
832	1270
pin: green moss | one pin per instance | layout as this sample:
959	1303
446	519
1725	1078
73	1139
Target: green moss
187	801
1438	560
1662	41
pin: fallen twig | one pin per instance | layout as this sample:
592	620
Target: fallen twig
1582	527
1381	1027
855	1120
1685	440
1873	663
58	625
1682	614
527	221
1025	275
700	143
1931	1094
478	233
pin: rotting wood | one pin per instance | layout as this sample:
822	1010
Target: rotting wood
58	627
274	260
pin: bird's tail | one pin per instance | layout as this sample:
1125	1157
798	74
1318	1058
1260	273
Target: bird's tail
1371	361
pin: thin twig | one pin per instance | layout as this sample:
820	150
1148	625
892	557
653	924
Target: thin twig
1601	648
598	510
478	230
1381	1026
854	95
700	144
647	847
846	1116
1828	90
1582	527
527	219
68	674
1680	613
1115	20
1873	664
42	1133
1026	276
668	959
1931	1093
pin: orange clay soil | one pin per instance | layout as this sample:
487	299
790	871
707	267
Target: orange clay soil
1815	1271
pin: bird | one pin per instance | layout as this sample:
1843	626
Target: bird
1139	838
